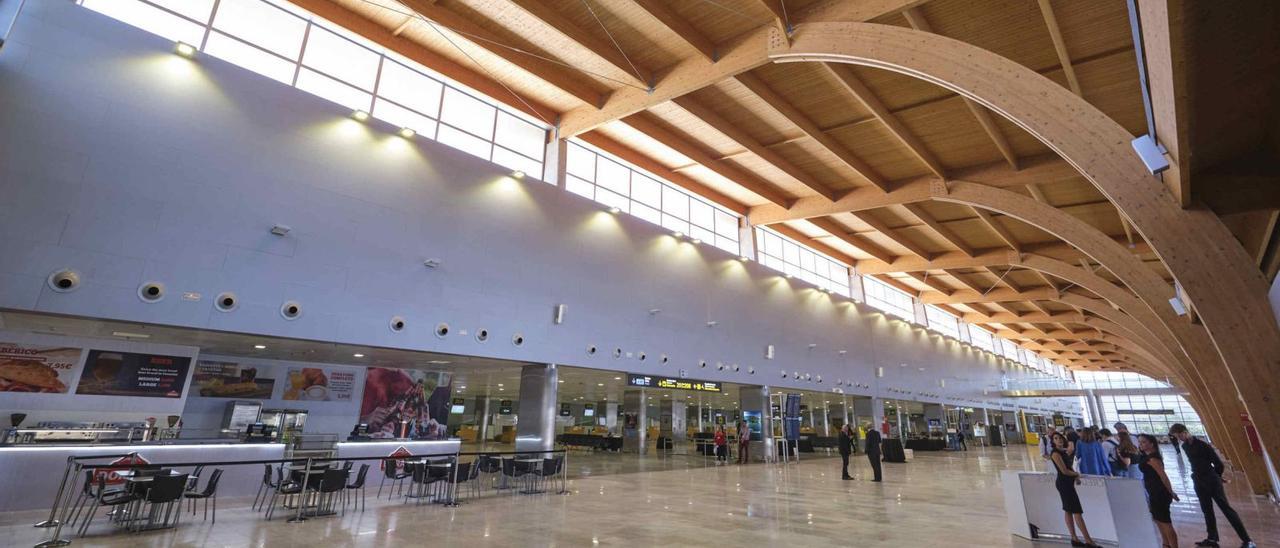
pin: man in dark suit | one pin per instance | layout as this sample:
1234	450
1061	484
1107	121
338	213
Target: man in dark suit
846	447
873	451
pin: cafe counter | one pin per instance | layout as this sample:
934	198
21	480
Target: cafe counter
34	472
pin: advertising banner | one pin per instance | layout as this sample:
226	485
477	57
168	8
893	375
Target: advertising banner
110	373
406	403
228	379
319	384
39	369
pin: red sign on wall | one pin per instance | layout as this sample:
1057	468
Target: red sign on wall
1251	432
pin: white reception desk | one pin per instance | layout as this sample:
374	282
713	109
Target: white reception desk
1115	509
32	473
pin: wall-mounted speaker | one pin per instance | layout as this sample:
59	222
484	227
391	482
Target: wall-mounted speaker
768	352
151	292
64	281
226	302
559	314
291	310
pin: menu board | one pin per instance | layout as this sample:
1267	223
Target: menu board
111	373
651	381
225	379
38	369
319	384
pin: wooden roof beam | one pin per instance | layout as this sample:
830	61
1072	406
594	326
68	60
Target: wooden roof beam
852	84
603	49
644	123
1060	46
1044	310
810	128
1043	169
1165	40
1057	334
741	54
965	281
680	26
480	35
993	296
999	229
993	257
732	131
939	229
814	243
855	240
1003	279
915	17
1030	317
892	234
931	281
897	284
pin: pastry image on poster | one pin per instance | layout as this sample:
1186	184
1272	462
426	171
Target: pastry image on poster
111	373
222	379
319	384
406	403
38	369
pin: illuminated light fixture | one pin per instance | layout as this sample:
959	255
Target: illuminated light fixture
697	241
743	258
128	335
184	49
615	210
407	132
260	347
678	234
517	174
357	355
789	276
360	115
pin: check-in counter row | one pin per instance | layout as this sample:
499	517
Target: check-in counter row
33	473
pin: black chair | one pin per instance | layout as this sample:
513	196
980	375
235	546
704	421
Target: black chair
465	473
194	478
264	488
332	482
490	465
423	478
164	494
286	487
358	485
105	498
347	465
515	470
550	468
390	471
210	493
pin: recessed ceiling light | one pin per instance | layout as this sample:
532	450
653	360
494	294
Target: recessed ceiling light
517	174
743	258
260	346
501	389
360	115
357	355
678	234
697	240
599	384
437	362
617	378
184	49
615	210
500	384
129	335
407	132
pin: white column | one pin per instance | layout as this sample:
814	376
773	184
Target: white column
554	167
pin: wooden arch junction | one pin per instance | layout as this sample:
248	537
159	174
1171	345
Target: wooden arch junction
973	154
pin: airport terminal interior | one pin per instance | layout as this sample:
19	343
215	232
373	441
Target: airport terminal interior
639	273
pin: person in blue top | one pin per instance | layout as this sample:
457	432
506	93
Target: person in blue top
1089	451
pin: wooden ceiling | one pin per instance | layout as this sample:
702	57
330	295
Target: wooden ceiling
785	141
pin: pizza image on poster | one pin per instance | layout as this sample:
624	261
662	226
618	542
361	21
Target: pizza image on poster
111	373
38	369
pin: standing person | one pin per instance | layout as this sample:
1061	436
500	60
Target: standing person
1160	493
873	452
1072	438
960	438
1089	451
1173	440
1130	457
1109	446
1120	428
845	445
1206	476
1066	484
1046	442
722	448
744	441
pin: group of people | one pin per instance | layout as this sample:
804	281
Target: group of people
1093	451
845	443
721	440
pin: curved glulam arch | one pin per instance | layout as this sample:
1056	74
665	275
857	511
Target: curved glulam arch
1229	293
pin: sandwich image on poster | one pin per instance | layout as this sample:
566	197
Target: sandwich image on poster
222	379
111	373
38	369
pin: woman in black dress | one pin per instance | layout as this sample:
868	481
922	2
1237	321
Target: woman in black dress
1066	484
1160	493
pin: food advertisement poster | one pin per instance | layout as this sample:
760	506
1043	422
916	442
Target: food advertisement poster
319	384
406	403
228	379
39	369
111	373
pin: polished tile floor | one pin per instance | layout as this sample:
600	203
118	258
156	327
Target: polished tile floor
939	499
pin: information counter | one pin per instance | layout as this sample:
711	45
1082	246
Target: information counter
34	472
1114	508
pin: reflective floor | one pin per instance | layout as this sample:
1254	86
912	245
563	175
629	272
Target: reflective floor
939	499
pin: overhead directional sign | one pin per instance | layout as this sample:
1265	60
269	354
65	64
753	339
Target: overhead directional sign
651	381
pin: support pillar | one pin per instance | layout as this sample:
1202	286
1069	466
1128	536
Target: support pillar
673	424
611	416
754	401
482	403
536	429
635	422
